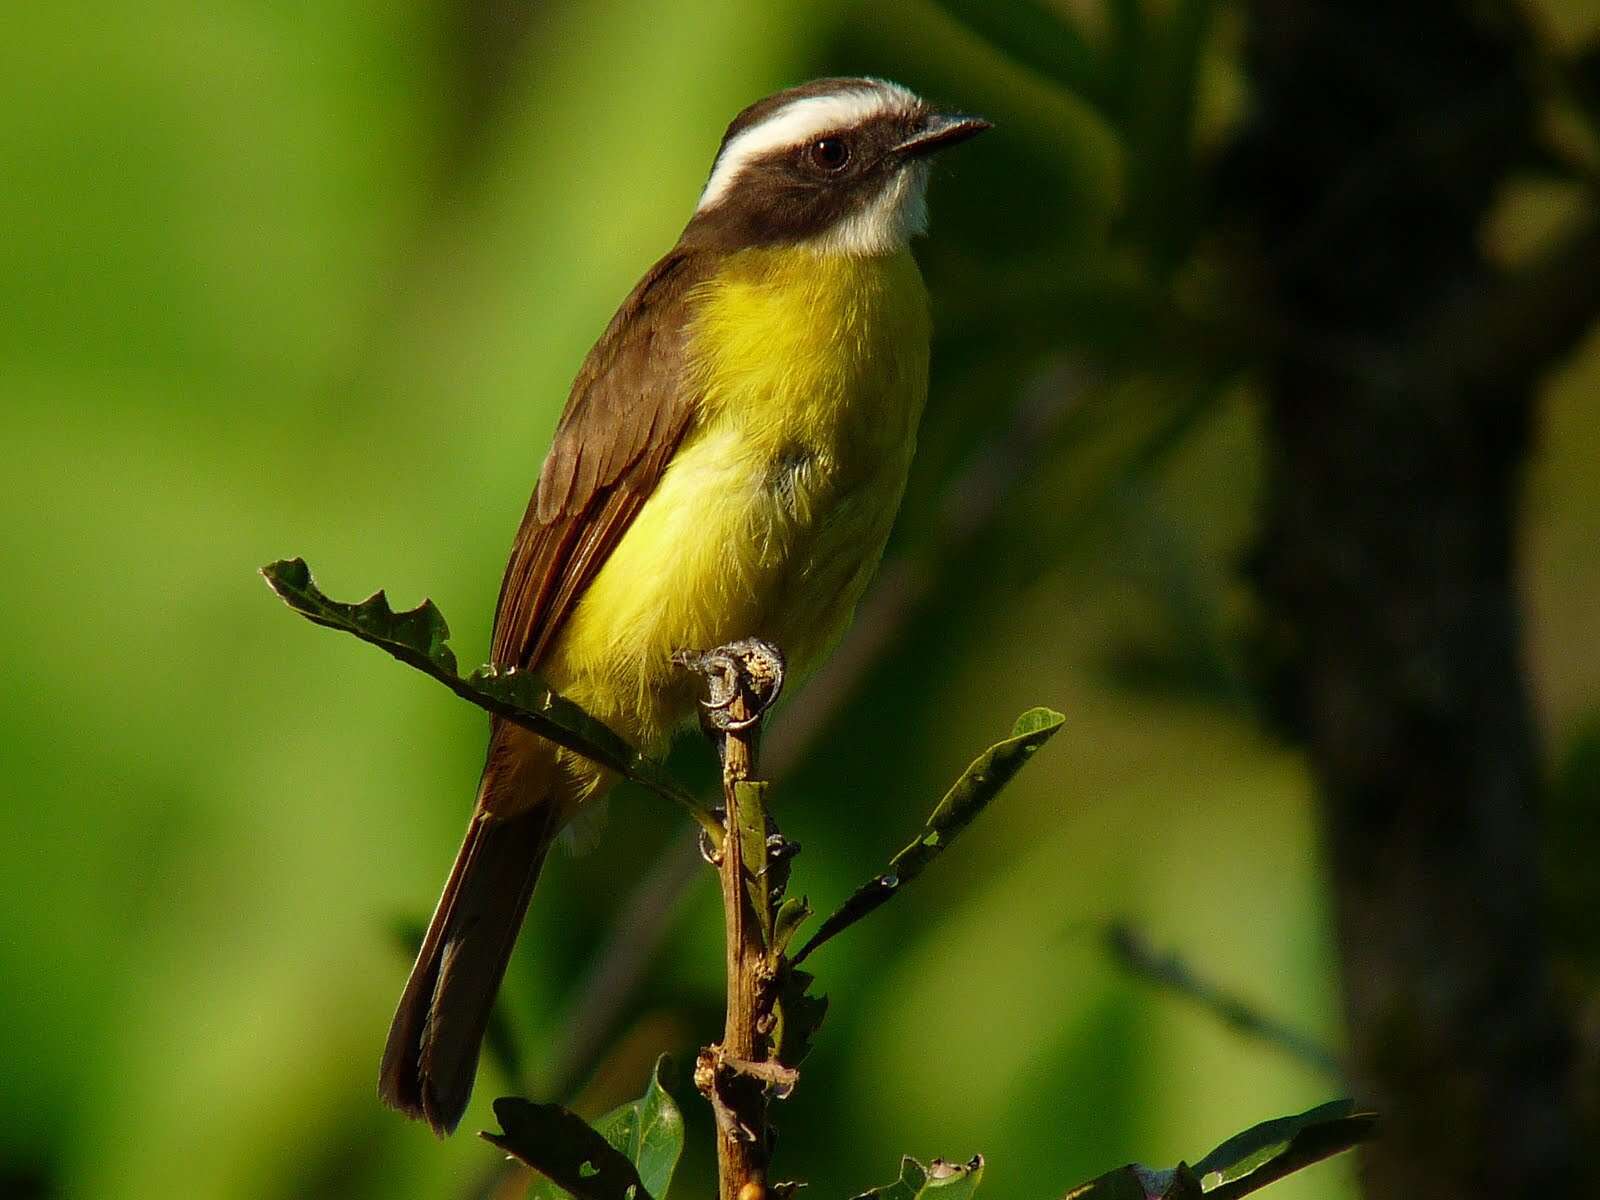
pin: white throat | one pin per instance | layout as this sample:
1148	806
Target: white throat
896	215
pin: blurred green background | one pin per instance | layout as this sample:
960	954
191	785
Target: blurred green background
313	279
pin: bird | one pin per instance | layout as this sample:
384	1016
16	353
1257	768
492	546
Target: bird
730	460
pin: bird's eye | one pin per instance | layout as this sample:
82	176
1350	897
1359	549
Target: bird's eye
829	154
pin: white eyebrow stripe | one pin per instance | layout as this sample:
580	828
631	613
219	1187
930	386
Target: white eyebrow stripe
796	123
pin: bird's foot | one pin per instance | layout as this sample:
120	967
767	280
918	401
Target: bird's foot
750	668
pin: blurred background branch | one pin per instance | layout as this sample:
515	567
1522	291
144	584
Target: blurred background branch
1134	951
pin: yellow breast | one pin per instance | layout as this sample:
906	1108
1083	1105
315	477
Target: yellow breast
770	519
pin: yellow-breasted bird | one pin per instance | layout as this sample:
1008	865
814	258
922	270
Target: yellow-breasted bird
730	460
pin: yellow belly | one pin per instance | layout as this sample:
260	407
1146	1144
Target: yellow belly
772	516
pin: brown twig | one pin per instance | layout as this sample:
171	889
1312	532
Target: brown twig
741	1143
736	1075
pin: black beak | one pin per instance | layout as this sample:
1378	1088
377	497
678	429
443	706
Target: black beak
940	130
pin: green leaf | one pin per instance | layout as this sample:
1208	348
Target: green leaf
799	1015
649	1131
751	812
946	1180
1244	1163
628	1154
792	913
1135	1182
970	795
419	636
574	1159
1269	1151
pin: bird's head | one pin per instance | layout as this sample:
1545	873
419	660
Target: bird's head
837	165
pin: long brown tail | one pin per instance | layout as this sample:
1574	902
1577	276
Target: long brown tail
432	1053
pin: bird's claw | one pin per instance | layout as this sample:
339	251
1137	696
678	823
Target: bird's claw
709	851
749	668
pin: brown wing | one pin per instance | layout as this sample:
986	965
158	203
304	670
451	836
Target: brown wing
628	410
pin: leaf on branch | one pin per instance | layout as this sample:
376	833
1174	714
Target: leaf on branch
419	638
792	913
799	1016
946	1180
1273	1149
575	1160
628	1154
752	833
1135	1182
649	1131
970	795
1244	1163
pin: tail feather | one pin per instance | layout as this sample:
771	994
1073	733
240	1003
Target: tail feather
432	1053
